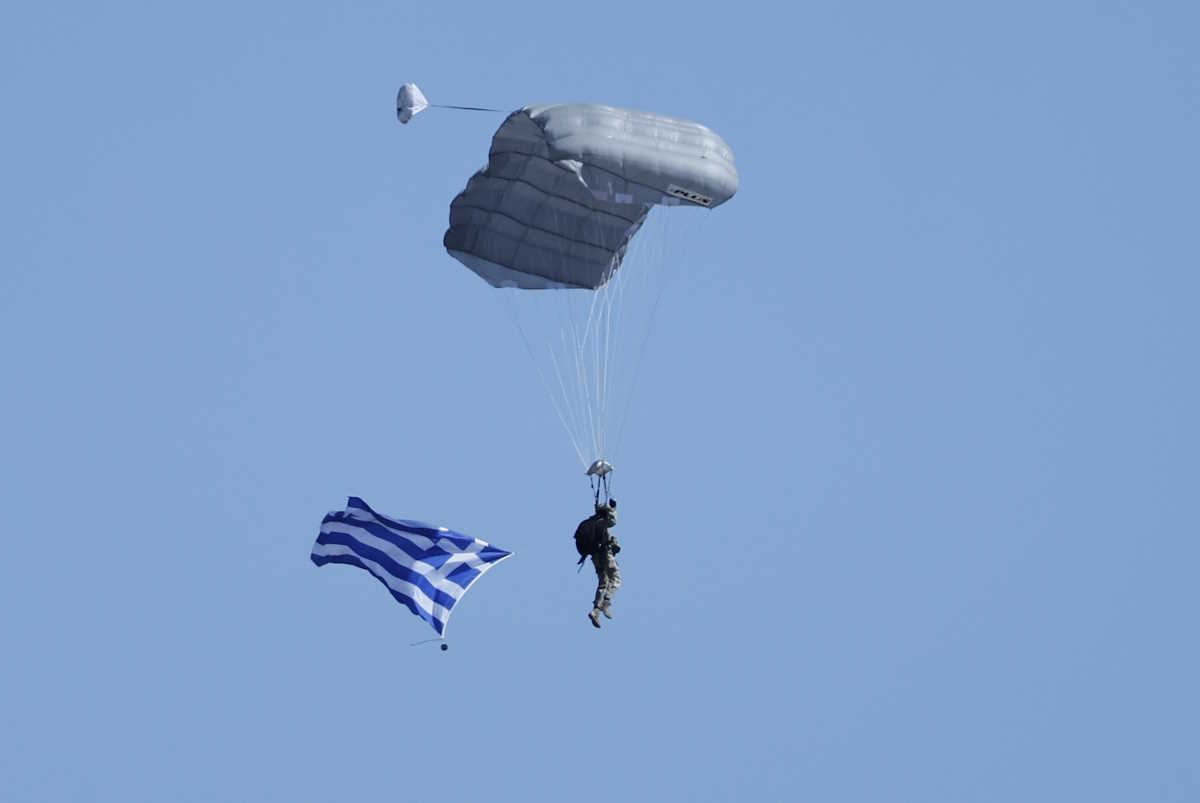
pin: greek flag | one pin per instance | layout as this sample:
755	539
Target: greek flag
425	567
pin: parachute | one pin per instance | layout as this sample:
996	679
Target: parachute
566	188
552	219
410	102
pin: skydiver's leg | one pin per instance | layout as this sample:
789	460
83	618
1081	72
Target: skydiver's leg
594	614
612	583
601	579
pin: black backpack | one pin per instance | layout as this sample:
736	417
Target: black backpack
587	536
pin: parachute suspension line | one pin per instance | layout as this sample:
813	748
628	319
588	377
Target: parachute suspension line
642	261
596	352
598	330
615	310
579	347
585	374
581	383
618	332
602	363
604	338
567	403
602	297
591	342
553	399
614	292
593	351
580	403
645	340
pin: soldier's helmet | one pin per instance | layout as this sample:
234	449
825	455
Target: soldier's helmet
608	510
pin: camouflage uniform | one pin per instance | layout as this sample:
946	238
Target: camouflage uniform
608	574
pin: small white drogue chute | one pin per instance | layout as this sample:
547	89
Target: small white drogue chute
410	102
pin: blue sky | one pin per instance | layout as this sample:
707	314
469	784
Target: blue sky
907	491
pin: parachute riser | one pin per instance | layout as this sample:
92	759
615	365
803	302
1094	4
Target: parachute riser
598	473
600	487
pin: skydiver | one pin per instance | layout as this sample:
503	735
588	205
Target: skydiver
594	539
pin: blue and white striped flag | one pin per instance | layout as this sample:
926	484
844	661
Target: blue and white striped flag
426	568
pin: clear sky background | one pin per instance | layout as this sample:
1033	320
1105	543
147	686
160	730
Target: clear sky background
908	494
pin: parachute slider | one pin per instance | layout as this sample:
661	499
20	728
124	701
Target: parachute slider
600	468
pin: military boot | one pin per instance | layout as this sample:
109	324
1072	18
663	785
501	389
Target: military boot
606	609
595	617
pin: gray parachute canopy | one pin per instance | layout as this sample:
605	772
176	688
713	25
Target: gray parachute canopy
567	186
